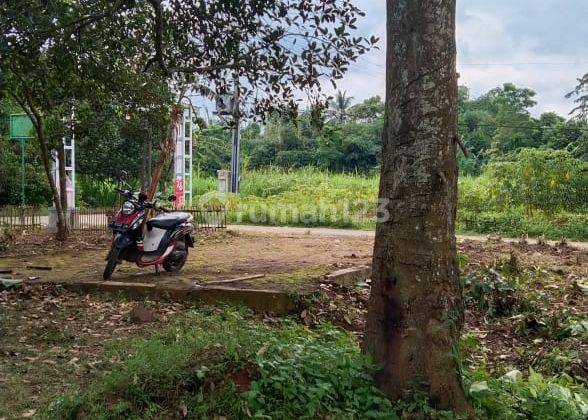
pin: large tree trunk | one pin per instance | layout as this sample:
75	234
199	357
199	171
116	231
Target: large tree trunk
415	310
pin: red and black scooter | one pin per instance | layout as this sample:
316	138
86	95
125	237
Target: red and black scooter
166	241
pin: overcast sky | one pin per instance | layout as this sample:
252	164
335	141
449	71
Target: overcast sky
540	44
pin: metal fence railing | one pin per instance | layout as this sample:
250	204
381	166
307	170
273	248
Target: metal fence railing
92	219
208	219
97	219
22	217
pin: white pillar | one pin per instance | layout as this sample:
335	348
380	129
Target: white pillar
183	160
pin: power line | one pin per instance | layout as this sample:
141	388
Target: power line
528	127
363	60
527	63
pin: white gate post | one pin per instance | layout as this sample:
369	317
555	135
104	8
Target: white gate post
183	160
69	151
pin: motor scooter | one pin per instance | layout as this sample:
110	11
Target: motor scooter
164	240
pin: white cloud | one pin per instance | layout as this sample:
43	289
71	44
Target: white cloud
528	42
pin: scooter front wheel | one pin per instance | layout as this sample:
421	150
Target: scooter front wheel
111	263
175	262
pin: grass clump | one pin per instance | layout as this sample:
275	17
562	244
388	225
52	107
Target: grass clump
198	368
315	197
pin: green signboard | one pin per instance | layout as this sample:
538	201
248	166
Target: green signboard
21	126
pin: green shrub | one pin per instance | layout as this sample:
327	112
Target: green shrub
475	194
509	222
555	326
559	361
313	378
96	193
534	397
494	294
188	370
312	197
296	373
514	223
541	179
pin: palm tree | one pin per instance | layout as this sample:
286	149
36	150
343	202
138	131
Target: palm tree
339	106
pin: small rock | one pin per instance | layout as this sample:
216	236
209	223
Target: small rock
512	376
582	287
28	413
478	387
141	314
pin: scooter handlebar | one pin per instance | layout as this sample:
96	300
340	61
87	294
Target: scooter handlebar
126	193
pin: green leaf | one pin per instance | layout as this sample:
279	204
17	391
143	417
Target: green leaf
480	386
7	283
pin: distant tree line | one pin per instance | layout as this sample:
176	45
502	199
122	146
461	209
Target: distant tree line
347	136
343	137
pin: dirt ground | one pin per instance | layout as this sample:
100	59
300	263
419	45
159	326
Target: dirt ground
291	263
52	339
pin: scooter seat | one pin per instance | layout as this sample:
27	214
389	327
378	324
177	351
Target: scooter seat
168	221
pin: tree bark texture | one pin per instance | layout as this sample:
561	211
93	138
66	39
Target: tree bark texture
167	149
39	124
38	120
144	163
415	310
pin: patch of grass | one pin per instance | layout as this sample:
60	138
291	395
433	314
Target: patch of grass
314	197
56	335
191	368
558	361
15	402
514	222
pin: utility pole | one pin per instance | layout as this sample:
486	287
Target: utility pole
236	137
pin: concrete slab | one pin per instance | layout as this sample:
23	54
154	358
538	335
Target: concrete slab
259	300
348	277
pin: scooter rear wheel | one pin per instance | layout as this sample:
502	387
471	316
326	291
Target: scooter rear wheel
111	263
177	259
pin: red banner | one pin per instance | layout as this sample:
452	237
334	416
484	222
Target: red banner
179	191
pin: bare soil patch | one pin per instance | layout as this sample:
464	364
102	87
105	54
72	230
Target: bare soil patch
289	263
545	335
52	340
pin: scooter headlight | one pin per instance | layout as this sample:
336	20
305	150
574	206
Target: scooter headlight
128	208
